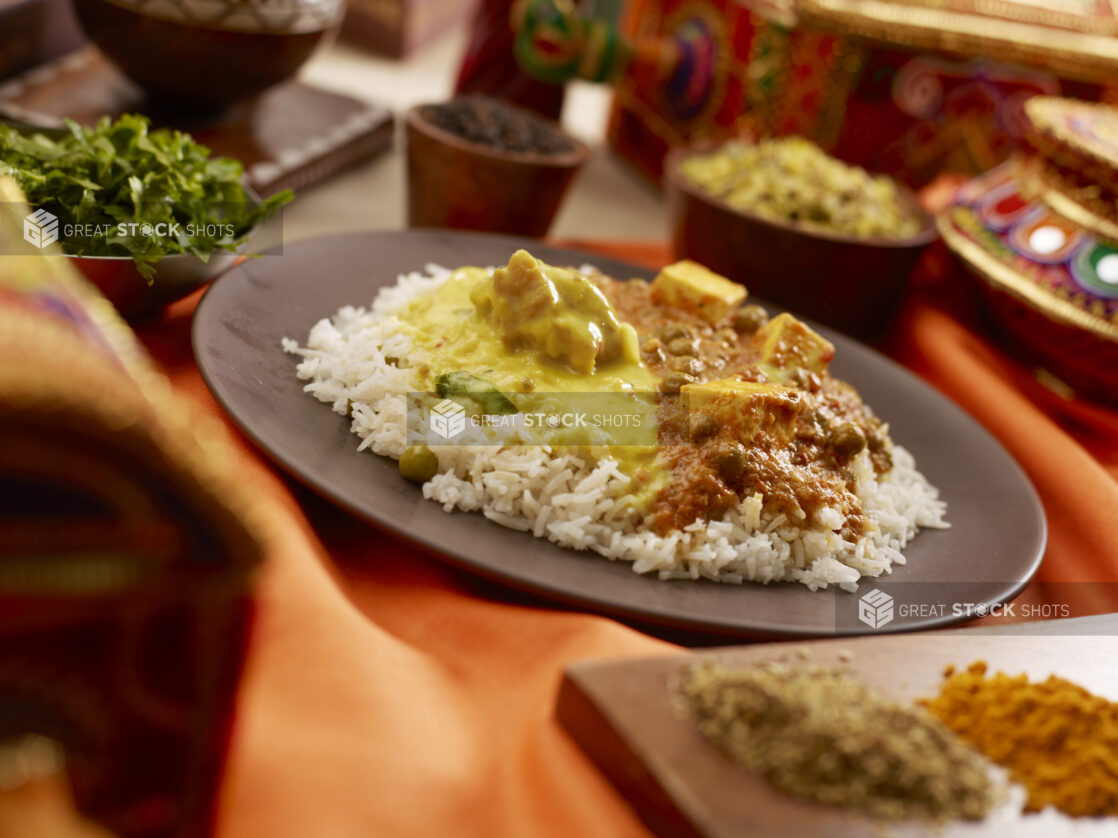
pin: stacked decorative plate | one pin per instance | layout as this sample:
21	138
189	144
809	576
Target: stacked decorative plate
1040	233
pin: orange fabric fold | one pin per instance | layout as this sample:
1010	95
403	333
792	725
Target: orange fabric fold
387	694
1079	494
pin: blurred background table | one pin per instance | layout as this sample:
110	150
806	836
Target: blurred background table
607	199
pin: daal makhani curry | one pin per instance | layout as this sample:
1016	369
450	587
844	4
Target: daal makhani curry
742	457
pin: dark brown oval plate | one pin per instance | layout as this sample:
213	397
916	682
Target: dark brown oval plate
992	549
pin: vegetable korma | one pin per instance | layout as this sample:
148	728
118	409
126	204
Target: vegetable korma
760	465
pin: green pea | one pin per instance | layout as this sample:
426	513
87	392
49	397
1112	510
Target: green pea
418	464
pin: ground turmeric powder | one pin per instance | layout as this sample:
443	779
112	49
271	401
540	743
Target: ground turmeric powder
1056	739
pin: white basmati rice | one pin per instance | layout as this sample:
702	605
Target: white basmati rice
588	506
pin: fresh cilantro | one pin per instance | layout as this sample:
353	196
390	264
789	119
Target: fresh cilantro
115	178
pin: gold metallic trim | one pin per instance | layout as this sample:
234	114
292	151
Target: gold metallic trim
1024	289
1079	215
1081	54
1038	181
1047	123
1045	15
780	12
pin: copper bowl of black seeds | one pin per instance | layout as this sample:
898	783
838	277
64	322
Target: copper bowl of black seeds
477	163
497	124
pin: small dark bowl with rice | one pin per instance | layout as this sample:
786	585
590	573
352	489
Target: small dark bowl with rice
842	257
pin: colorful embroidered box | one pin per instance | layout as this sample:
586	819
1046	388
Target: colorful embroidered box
898	86
1036	233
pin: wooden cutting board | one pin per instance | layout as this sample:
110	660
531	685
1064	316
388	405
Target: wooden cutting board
291	136
619	713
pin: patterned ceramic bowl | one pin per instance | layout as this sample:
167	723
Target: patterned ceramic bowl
207	54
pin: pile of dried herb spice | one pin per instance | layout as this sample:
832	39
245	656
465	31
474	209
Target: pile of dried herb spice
1056	739
820	735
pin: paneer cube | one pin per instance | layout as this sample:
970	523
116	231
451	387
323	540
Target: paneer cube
786	344
749	409
690	286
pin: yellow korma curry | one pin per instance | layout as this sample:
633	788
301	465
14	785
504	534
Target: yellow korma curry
745	405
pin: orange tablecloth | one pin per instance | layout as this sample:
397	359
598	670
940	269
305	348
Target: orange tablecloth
387	695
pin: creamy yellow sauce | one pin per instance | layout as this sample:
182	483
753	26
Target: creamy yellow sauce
453	336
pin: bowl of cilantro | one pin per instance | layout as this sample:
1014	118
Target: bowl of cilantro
147	215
